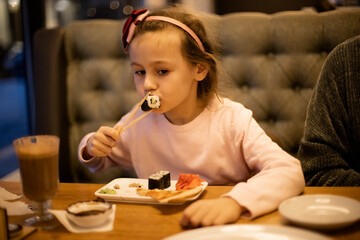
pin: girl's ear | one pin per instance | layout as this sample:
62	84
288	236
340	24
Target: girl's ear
202	70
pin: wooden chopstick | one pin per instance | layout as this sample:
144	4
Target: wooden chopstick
124	128
135	121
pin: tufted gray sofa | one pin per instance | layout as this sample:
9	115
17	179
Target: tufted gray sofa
270	64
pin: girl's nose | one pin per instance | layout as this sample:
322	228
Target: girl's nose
149	83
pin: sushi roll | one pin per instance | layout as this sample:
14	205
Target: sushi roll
151	102
159	180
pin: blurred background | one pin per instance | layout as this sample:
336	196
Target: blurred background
19	20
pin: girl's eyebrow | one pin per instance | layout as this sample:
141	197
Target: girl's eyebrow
134	63
152	63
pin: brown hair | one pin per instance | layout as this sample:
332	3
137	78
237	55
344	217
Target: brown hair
190	49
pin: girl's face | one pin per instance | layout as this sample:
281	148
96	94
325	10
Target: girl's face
160	68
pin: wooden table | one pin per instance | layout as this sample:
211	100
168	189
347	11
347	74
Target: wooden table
139	221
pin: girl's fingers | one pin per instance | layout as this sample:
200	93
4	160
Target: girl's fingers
211	212
108	141
106	136
99	153
210	218
112	132
194	214
98	148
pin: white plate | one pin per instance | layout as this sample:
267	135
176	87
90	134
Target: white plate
321	211
128	194
247	232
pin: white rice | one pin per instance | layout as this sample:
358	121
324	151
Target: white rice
153	101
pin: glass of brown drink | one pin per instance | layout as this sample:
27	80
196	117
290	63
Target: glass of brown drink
39	170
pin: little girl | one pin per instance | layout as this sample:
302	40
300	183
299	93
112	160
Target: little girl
194	130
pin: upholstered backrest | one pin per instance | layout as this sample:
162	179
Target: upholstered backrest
270	64
273	62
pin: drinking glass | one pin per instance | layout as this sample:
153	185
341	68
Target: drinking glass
38	158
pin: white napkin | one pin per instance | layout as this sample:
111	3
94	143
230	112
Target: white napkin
71	227
13	207
6	195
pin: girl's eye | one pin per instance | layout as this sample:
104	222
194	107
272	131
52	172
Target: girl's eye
162	72
140	72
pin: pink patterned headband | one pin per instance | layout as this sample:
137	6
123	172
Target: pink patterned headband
137	16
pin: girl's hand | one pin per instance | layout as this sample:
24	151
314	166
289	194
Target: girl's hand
211	212
101	143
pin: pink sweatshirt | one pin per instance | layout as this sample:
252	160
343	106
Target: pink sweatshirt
224	145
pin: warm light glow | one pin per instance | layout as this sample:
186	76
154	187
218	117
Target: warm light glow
127	9
91	12
114	5
14	5
62	5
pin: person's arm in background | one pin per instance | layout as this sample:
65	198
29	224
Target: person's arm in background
329	151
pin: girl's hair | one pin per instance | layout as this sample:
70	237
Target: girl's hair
190	49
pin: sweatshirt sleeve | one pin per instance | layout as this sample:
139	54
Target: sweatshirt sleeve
329	151
277	175
95	164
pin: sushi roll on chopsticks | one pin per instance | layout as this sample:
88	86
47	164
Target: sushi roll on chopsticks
147	104
152	102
